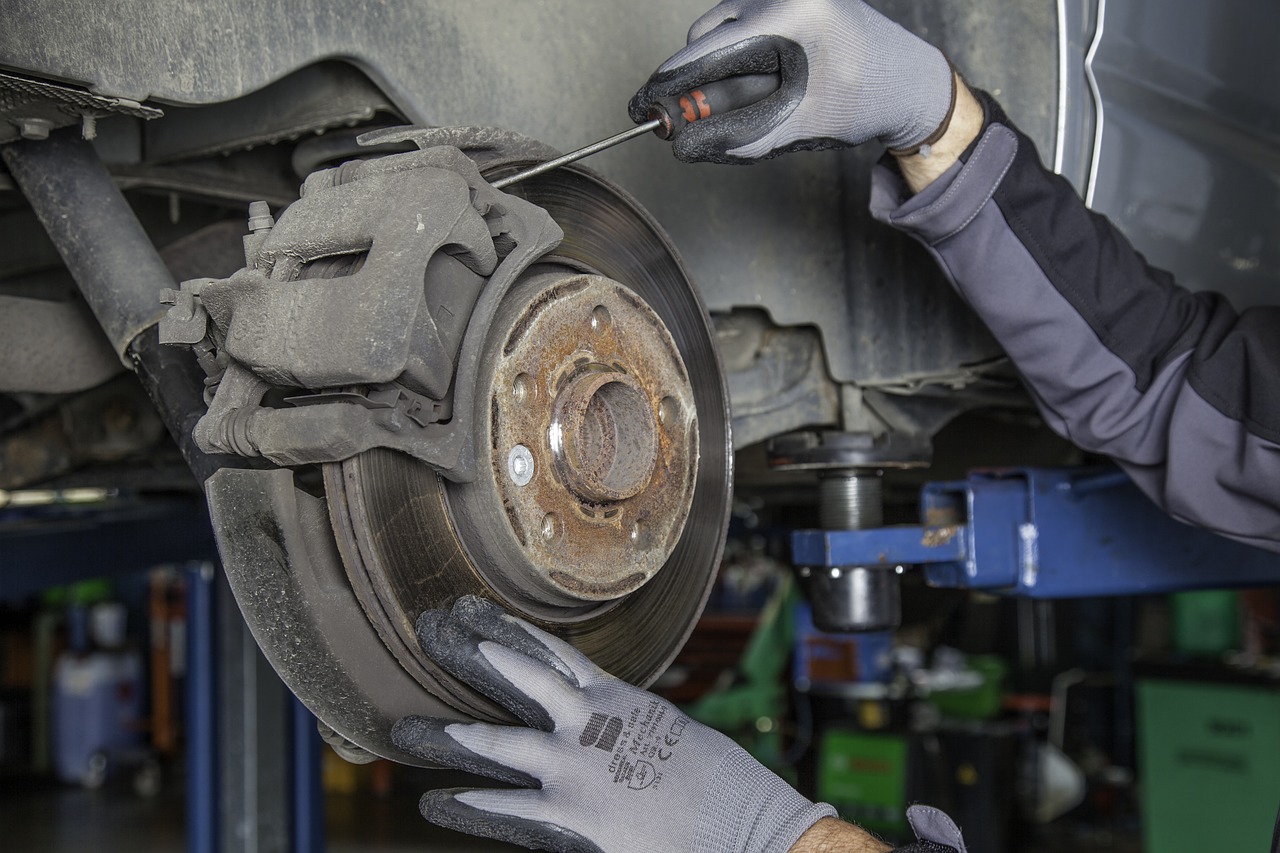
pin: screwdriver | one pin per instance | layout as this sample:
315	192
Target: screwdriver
668	117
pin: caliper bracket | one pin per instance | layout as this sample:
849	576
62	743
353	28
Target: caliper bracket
380	283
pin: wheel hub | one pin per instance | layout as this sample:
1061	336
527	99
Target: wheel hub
594	436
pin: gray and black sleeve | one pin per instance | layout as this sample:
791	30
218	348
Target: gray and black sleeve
1180	389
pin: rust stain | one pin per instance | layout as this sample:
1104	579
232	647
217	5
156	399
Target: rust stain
617	588
544	301
936	537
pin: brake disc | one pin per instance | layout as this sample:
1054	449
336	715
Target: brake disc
604	481
600	498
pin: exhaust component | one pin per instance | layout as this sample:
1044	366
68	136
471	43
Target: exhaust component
100	240
50	347
119	273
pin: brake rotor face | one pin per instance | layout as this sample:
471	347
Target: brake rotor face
649	439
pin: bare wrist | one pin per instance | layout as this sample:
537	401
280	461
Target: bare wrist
831	835
923	167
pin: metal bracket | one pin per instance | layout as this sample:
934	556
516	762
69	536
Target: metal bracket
30	109
376	289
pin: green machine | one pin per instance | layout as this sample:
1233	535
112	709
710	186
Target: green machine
1210	759
864	775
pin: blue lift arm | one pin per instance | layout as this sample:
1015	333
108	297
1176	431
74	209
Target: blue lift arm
1046	533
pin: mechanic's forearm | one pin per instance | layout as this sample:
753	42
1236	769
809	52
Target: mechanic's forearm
966	123
1175	386
830	835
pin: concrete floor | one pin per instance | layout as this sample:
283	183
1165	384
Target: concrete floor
42	817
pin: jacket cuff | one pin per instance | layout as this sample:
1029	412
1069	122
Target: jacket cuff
951	202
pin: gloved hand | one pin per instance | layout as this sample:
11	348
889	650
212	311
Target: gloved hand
603	767
849	74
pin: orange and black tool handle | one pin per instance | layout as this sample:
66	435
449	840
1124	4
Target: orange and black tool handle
676	112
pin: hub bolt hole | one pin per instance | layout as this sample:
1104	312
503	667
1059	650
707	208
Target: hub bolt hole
600	320
524	389
550	528
668	411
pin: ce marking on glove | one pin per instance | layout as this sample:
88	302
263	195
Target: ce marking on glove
673	737
645	740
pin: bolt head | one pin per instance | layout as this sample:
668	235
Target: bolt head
260	218
34	128
520	465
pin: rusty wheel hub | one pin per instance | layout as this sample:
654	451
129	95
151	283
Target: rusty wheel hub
593	436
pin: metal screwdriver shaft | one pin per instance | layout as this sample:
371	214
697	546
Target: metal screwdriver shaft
638	130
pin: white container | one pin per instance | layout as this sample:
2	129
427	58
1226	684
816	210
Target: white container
98	711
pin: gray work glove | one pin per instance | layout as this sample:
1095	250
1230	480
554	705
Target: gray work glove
935	832
603	767
848	74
